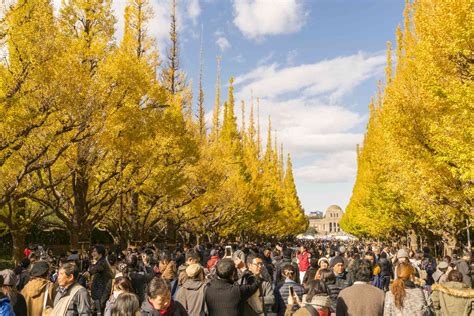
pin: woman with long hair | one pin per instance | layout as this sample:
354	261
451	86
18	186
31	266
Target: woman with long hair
404	298
126	305
121	285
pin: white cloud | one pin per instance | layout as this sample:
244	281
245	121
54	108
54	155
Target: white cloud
332	78
335	167
223	43
305	104
309	128
193	10
257	18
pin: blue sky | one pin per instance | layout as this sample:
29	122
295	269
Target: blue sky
313	63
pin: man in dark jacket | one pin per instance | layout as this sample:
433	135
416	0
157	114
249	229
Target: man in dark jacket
223	295
339	269
101	277
159	301
386	271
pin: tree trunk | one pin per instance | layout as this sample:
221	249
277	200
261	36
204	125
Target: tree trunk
18	238
451	244
80	234
413	240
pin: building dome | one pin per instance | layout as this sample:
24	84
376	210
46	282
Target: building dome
334	208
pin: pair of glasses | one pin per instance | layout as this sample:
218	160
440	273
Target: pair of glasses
260	264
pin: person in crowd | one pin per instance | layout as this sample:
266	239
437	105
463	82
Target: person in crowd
101	278
261	302
267	260
323	264
192	257
361	298
464	266
23	274
126	304
214	258
428	264
120	285
6	308
39	292
159	301
402	257
71	299
441	273
329	279
339	269
191	293
311	272
9	289
404	297
386	271
453	297
280	264
167	267
139	279
223	295
317	298
282	291
303	261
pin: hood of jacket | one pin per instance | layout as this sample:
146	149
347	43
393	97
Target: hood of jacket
318	301
193	285
35	287
148	308
457	289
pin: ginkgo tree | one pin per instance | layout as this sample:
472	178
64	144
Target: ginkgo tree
420	138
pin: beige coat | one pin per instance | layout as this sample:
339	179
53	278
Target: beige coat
452	298
34	292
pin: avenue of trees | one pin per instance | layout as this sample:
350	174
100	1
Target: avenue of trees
103	133
416	164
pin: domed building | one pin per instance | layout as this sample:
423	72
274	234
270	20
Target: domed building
329	223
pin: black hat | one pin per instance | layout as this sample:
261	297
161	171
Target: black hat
40	268
336	260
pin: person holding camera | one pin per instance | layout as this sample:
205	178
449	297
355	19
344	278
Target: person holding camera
223	295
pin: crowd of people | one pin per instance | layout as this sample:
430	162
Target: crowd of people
308	278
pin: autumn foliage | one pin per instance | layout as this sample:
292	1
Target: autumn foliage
416	164
98	132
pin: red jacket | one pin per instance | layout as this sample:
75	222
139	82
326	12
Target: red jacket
303	261
211	262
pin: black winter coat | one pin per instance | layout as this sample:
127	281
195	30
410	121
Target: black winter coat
224	298
333	290
101	277
385	267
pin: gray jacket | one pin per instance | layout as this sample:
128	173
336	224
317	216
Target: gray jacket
80	304
465	269
192	295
